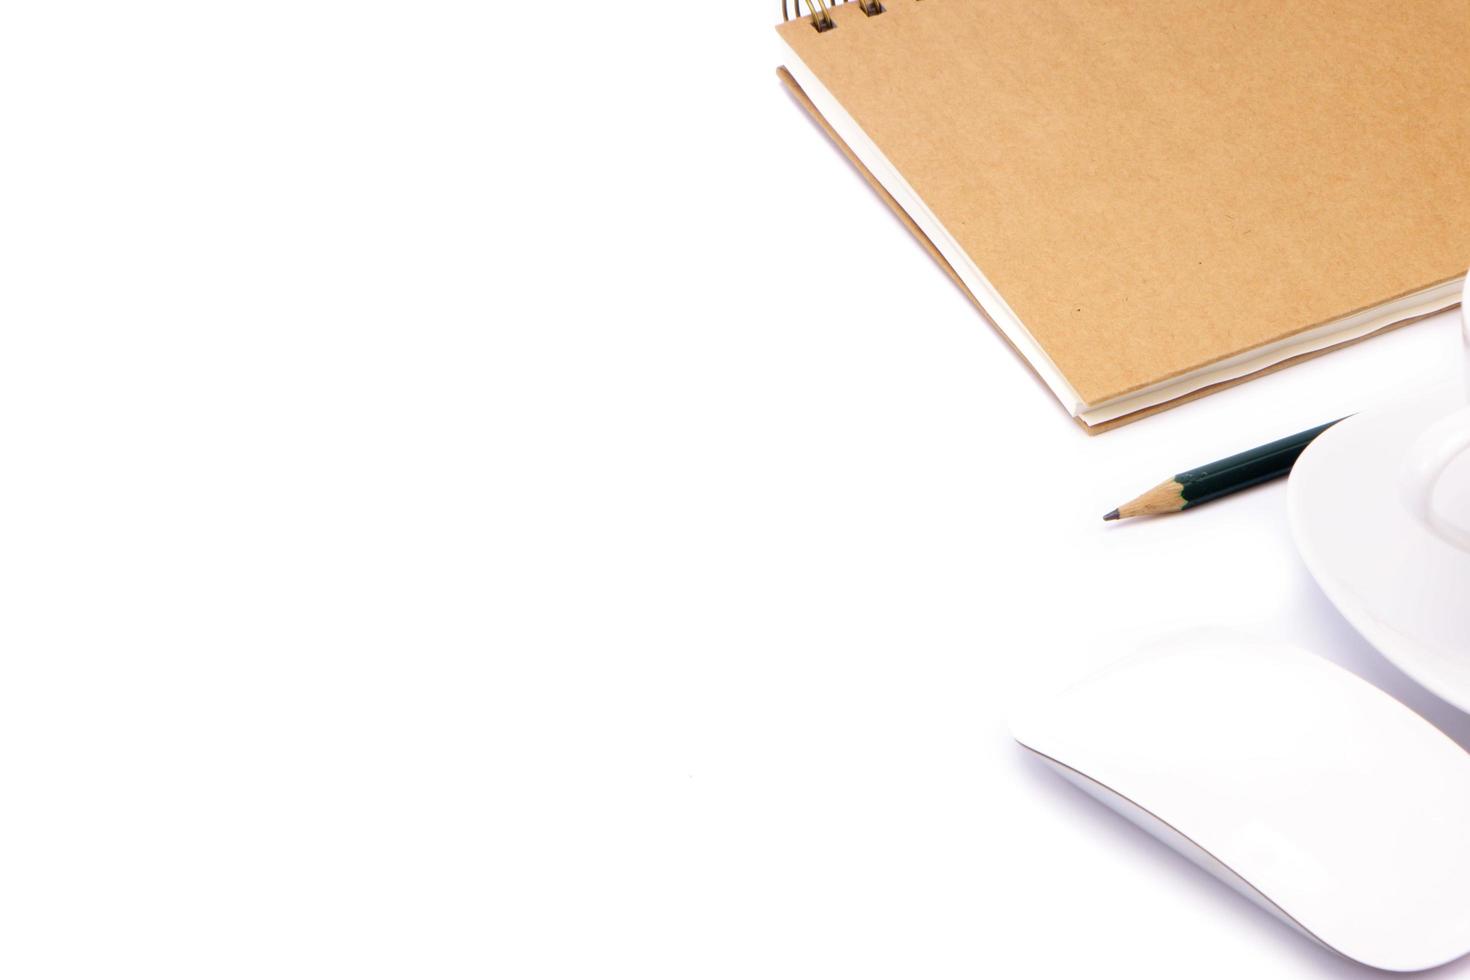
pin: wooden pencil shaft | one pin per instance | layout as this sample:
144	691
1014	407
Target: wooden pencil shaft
1224	476
1166	498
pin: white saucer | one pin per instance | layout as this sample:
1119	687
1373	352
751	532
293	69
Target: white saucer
1404	590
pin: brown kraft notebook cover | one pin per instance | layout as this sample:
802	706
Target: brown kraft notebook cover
1155	190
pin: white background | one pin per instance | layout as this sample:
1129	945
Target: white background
488	491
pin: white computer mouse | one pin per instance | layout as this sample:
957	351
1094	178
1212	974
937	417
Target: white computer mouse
1309	790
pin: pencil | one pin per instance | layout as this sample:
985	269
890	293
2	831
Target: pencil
1224	476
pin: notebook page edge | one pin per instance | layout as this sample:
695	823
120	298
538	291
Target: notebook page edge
894	183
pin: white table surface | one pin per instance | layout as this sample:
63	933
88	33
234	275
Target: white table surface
491	492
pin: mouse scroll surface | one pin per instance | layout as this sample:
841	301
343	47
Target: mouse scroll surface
1327	801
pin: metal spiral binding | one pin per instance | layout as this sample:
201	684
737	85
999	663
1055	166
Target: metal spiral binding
822	16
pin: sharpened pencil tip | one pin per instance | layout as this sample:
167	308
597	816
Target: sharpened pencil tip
1111	515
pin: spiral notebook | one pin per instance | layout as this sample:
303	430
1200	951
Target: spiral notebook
1156	199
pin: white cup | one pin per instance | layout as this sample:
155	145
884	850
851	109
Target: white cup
1436	448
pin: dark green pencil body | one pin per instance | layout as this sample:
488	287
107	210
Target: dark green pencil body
1224	476
1245	469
